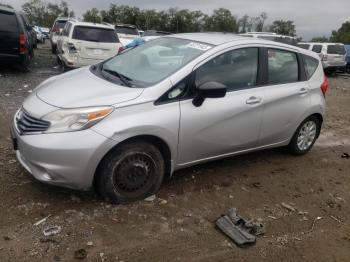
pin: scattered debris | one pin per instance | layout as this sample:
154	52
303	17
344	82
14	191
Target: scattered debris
49	240
257	184
150	198
289	207
162	202
337	219
245	189
80	254
30	91
241	231
7	238
41	221
313	224
345	155
51	231
90	244
12	161
272	217
231	196
25	86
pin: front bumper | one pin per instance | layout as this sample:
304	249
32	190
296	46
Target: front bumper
63	159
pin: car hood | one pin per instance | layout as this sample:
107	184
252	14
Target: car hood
81	88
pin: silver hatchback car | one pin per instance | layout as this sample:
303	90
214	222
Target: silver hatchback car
122	125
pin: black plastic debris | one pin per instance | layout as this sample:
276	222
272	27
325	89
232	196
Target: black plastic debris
241	231
345	155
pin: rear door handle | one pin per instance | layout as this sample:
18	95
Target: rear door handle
303	91
253	100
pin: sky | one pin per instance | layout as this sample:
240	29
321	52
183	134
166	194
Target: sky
311	17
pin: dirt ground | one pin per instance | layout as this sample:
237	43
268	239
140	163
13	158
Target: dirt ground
179	225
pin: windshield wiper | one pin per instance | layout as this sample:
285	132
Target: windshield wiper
126	80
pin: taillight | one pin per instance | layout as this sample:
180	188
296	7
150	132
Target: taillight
324	86
55	29
22	43
121	49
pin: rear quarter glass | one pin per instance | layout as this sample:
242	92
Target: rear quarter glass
8	22
310	65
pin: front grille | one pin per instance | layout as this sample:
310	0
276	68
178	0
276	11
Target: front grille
28	124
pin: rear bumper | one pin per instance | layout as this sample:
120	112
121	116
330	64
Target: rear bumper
328	65
12	59
76	61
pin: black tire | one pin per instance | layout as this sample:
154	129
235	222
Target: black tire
131	172
53	49
24	66
293	146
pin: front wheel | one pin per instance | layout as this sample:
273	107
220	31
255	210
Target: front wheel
305	136
131	172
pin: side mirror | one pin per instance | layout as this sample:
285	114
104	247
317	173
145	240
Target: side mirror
210	89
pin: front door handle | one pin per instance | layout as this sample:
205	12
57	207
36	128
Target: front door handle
303	91
253	100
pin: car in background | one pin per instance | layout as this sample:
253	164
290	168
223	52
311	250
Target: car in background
83	44
126	33
15	46
39	35
32	34
305	46
127	123
333	55
55	31
141	33
290	40
153	34
46	32
347	48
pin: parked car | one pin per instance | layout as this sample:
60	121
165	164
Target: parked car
153	34
290	40
55	31
15	46
30	29
333	55
82	44
46	32
347	48
39	35
126	33
177	101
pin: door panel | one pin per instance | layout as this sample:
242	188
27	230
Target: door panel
220	126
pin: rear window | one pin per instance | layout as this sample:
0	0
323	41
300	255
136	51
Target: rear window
317	48
336	50
61	23
126	30
95	34
304	46
310	65
8	22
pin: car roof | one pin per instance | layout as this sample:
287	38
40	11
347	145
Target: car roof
76	23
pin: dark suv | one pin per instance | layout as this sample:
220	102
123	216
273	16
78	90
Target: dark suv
15	39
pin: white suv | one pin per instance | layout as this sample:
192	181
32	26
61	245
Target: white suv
82	44
333	55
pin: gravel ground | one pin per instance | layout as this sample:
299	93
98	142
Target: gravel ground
179	224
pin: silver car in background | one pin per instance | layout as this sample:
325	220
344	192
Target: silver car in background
122	125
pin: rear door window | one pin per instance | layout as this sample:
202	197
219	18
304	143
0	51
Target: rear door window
282	67
8	22
60	23
336	50
310	65
317	48
94	34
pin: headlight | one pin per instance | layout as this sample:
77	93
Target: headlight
68	120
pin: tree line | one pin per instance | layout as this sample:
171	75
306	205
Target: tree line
174	20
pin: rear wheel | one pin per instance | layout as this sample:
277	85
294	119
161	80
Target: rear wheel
305	136
131	172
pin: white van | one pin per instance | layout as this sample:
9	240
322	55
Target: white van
82	44
333	55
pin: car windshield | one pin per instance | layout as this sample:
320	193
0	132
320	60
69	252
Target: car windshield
153	61
126	30
336	49
95	34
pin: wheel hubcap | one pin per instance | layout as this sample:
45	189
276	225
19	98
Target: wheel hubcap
306	135
134	173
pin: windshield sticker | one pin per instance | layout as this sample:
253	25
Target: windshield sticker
199	46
